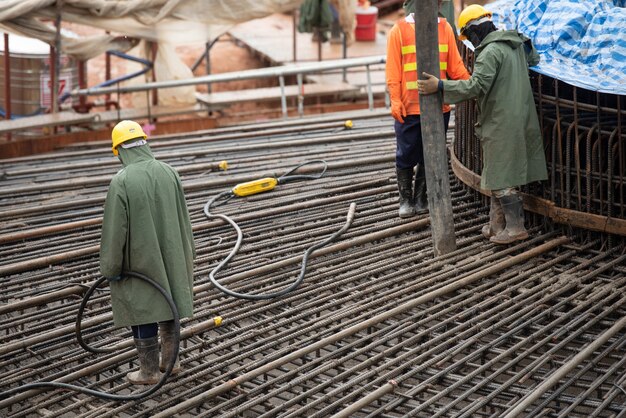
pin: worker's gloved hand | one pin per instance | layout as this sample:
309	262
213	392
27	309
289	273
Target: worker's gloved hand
398	111
429	85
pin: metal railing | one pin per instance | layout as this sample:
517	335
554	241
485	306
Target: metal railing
299	70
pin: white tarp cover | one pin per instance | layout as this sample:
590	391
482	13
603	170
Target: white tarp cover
168	22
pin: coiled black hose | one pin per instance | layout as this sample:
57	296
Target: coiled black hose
282	179
104	395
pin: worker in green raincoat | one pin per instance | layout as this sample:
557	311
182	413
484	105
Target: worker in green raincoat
507	124
146	229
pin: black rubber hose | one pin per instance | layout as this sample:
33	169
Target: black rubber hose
104	395
292	177
233	252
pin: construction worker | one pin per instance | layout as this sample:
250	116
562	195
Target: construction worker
401	75
507	124
146	229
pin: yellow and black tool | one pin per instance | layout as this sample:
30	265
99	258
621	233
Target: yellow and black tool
256	186
269	183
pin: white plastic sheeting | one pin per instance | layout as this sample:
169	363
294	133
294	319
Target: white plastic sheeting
175	21
168	22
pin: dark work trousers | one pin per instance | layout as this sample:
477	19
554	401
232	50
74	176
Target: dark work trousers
409	149
145	330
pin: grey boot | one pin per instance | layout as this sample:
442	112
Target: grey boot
405	189
496	219
148	373
419	191
168	332
514	215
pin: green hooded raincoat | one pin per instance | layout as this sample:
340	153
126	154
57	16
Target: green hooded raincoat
507	124
146	228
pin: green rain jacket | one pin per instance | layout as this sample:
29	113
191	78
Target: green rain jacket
507	124
315	14
146	228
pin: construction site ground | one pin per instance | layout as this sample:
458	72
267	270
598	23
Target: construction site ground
380	326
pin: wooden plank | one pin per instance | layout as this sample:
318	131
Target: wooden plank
273	93
42	121
357	79
433	135
154	112
71	118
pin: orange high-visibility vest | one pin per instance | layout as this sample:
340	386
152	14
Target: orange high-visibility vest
401	68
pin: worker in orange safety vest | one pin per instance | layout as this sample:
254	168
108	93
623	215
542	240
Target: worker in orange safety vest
401	75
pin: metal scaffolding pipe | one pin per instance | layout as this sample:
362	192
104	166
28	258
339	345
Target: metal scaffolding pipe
284	70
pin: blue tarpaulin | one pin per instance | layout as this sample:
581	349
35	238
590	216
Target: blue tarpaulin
581	42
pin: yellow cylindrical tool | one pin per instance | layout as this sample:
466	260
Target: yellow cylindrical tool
255	186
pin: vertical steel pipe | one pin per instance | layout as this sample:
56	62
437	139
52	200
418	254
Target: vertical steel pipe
7	81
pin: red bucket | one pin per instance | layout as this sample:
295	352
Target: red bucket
366	24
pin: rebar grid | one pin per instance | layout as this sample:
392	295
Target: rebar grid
476	350
585	147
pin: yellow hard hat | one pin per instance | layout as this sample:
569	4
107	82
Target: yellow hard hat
470	13
124	131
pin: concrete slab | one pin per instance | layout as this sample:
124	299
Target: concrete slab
274	93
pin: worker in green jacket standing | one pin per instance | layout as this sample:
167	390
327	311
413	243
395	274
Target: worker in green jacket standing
146	229
507	124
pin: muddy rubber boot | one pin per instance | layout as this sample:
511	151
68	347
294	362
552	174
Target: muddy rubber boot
168	346
148	373
419	191
514	215
496	219
405	189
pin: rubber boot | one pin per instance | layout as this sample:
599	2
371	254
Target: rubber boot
419	191
514	215
405	189
496	219
168	346
148	350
